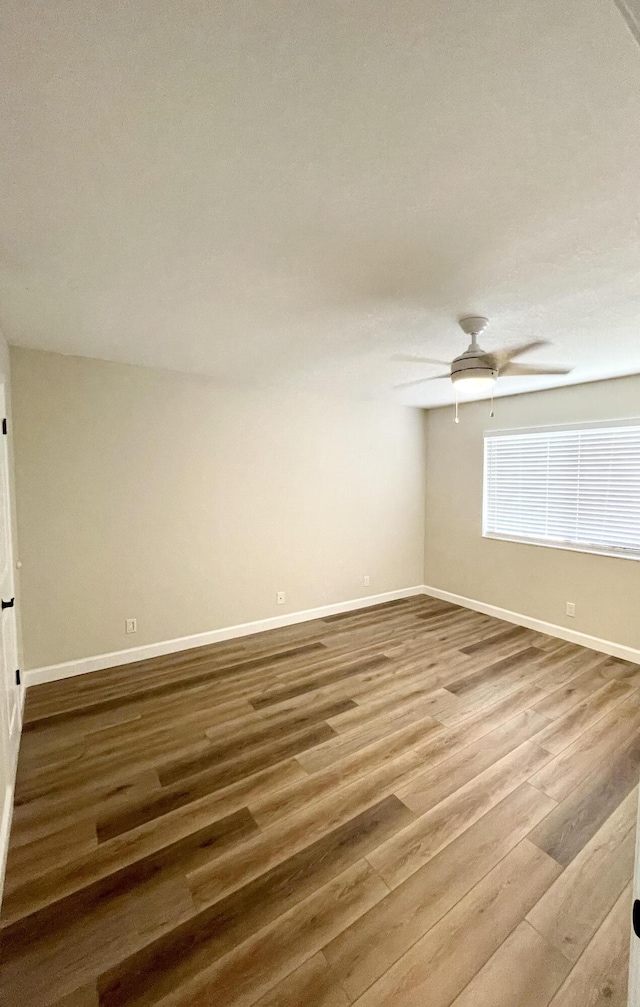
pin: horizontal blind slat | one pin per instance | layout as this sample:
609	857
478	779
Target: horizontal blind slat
579	487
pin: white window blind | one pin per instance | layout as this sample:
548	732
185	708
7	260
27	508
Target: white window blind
576	488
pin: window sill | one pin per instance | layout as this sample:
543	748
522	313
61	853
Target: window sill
564	546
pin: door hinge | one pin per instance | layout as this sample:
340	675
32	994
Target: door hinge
17	676
4	425
8	604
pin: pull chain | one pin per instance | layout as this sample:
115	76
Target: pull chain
491	412
457	419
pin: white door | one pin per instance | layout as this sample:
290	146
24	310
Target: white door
10	689
634	963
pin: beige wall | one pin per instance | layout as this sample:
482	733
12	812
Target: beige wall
168	498
532	580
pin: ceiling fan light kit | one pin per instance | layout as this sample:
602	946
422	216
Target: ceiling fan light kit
474	379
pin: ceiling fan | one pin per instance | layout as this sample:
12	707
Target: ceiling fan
477	371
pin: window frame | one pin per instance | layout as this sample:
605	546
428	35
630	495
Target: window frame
560	428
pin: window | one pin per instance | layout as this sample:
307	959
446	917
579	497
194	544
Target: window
572	488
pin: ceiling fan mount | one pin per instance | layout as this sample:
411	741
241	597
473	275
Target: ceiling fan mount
473	325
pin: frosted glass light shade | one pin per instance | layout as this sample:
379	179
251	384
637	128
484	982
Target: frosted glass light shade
469	384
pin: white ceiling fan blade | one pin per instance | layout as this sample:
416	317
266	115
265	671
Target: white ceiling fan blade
506	353
408	359
420	381
511	370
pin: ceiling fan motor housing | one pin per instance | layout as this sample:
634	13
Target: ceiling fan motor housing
470	365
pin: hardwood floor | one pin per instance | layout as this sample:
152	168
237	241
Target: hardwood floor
413	805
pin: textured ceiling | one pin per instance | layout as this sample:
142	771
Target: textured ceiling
287	191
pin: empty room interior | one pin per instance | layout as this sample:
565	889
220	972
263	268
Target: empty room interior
320	503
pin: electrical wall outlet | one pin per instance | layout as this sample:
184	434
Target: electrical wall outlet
366	579
131	625
280	598
571	608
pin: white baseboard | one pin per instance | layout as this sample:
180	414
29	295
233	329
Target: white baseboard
549	628
99	662
55	672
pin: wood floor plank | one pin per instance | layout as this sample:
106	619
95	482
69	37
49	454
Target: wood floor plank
600	977
55	695
285	837
109	772
507	635
312	985
191	788
257	751
594	746
556	704
571	725
87	996
217	928
370	613
416	695
55	965
178	856
228	922
480	703
493	672
525	970
338	748
43	731
233	739
290	691
40	819
438	783
390	763
50	813
31	721
53	850
569	914
169	727
405	853
149	838
571	825
617	668
559	667
364	952
439	966
250	971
